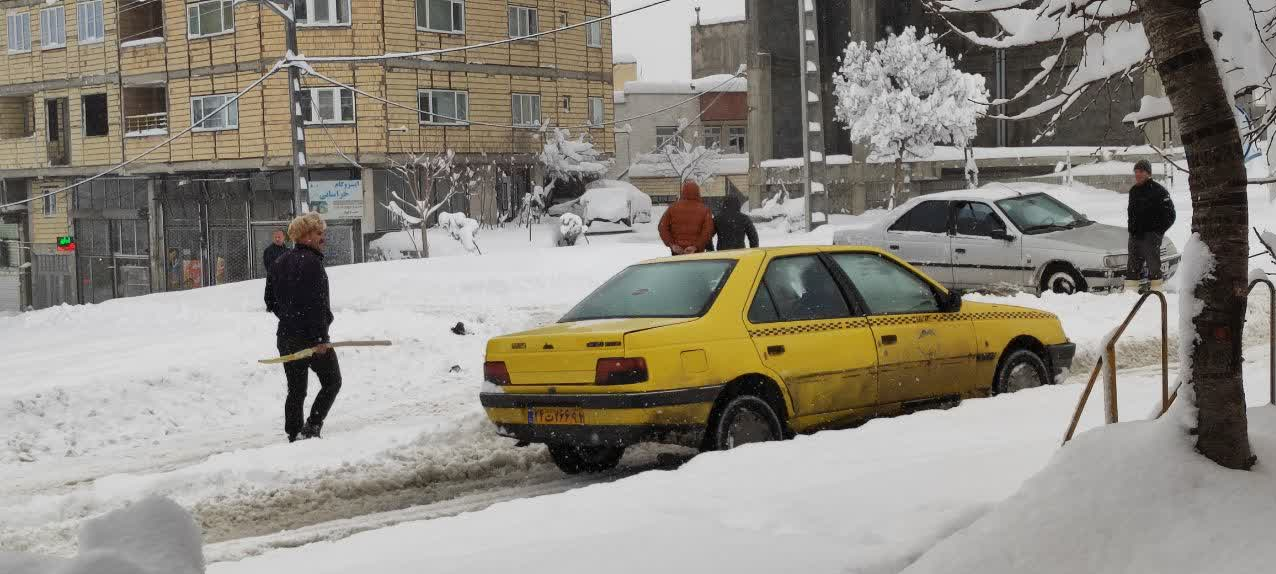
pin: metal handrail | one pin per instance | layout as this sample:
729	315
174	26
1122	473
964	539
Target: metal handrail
1167	398
1109	359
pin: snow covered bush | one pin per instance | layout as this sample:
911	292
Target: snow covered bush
462	228
904	95
570	228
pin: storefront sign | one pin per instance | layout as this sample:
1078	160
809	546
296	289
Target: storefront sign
337	199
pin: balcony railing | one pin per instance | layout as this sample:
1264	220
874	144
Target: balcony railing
146	125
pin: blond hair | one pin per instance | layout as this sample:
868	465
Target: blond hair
304	225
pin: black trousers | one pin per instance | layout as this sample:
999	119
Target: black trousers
325	367
1145	250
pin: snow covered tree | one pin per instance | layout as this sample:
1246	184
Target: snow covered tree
681	160
1207	53
903	95
412	190
566	159
462	228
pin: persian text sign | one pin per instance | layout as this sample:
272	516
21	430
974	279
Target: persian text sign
337	199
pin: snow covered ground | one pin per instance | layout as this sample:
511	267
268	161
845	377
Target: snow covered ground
108	403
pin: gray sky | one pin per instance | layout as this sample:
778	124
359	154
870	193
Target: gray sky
660	37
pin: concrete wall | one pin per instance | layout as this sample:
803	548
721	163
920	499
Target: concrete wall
642	139
719	48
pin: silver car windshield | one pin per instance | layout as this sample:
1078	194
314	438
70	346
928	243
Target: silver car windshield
1040	213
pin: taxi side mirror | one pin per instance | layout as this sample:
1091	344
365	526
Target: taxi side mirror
951	301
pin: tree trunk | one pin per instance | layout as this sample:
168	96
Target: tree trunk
898	184
1193	83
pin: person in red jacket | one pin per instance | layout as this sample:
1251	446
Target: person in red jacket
687	226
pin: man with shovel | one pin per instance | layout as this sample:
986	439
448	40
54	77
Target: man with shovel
297	293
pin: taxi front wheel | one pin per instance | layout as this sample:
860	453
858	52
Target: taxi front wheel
575	459
1021	369
744	419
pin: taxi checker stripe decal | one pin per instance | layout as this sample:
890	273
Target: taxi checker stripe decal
895	320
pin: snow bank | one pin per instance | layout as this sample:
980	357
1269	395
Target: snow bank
1128	498
151	536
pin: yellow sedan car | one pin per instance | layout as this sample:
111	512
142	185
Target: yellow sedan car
722	349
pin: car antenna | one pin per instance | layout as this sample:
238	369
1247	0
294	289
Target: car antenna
1017	192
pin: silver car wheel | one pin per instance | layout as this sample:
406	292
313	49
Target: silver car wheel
1061	282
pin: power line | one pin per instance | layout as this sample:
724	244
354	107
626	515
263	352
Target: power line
511	126
391	56
278	66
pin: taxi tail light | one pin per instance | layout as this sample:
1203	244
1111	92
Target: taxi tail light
496	373
620	371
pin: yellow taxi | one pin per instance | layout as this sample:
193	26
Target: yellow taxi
722	349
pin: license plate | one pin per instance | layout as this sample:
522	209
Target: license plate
555	416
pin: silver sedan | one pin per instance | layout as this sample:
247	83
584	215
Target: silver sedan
998	240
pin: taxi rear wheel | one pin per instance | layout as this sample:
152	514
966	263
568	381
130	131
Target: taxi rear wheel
575	459
743	420
1020	369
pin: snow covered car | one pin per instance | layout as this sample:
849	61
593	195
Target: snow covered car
995	239
721	349
609	200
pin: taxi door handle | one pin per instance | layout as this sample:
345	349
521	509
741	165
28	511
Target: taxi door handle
895	247
889	339
775	350
960	250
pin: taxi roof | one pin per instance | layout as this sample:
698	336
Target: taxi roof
740	254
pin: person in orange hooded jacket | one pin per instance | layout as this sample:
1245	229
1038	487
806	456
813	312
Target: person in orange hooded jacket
687	226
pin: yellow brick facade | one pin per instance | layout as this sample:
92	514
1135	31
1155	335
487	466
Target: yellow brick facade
554	66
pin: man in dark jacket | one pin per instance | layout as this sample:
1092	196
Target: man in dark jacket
297	293
1151	214
274	250
733	227
687	226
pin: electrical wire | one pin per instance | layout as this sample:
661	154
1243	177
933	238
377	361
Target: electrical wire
278	66
463	122
392	56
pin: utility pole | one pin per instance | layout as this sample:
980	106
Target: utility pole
300	173
812	105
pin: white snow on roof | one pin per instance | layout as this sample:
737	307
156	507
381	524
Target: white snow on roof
948	153
622	58
715	83
728	164
722	20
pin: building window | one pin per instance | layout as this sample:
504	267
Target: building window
523	22
96	120
13	107
562	19
737	139
51	204
53	28
206	116
443	107
445	16
712	137
19	26
665	135
90	21
210	18
595	111
527	109
328	105
567	103
141	22
323	12
594	34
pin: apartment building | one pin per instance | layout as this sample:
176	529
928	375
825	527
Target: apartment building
88	85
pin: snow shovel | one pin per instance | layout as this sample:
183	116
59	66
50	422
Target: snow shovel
307	353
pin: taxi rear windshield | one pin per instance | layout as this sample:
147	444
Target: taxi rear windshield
674	289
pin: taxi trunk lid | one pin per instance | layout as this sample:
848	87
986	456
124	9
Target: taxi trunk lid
566	353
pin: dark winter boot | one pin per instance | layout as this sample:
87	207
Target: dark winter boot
292	437
311	430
